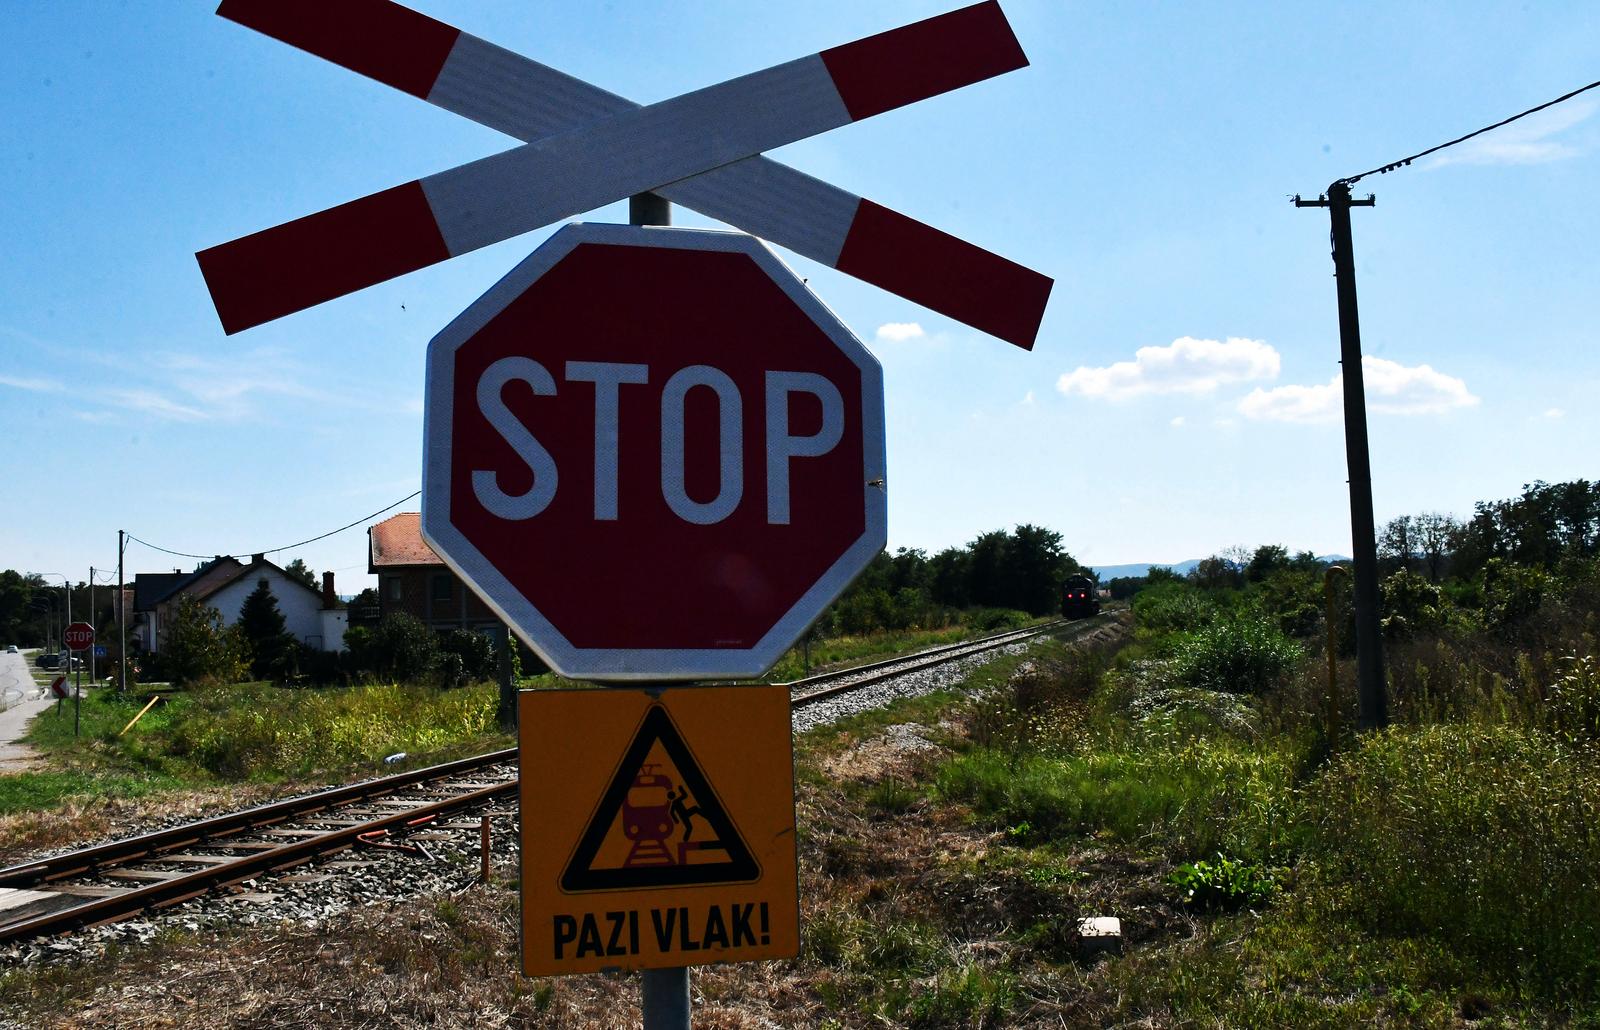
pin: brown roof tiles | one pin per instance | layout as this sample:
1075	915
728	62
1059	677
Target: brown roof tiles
397	542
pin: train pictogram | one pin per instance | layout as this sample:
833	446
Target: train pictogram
660	822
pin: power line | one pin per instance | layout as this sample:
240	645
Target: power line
285	547
1385	169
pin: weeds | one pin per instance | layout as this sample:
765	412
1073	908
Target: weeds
1485	837
1225	884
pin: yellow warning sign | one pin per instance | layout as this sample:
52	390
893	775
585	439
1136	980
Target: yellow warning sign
657	828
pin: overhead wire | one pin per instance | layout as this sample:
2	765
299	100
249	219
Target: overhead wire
285	547
1393	165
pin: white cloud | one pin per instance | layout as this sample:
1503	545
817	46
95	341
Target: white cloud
1523	142
1027	398
1186	365
152	403
899	332
36	385
1177	421
1554	413
1391	389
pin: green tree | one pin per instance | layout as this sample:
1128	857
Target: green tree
198	647
272	647
950	569
1267	559
299	570
1033	565
985	569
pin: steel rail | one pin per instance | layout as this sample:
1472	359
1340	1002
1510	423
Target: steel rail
910	665
190	885
854	670
158	842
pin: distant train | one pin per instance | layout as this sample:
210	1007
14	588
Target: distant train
1079	598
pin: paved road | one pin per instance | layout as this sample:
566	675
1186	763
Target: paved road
20	701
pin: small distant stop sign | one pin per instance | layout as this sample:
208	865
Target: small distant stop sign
79	636
654	453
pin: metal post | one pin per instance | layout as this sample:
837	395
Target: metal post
665	999
649	209
664	993
92	621
483	848
506	715
1373	694
122	621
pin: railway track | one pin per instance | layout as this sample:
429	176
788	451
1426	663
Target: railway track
121	879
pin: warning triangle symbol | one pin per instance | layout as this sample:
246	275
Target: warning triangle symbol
659	823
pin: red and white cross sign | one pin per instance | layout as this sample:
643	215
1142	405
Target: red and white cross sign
587	148
654	453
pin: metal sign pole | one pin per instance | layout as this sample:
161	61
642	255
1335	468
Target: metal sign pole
663	993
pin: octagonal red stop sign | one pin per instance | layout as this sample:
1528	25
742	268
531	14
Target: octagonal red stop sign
654	453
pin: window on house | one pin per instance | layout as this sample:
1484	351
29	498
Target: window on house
393	588
442	588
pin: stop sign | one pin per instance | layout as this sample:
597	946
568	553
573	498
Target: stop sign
79	636
654	453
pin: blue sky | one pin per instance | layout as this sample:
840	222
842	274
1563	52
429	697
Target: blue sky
1181	396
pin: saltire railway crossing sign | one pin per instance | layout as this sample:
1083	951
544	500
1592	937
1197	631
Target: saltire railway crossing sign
585	148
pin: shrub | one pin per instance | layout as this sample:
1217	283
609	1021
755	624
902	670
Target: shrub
1173	606
198	648
1239	655
993	620
1572	702
479	658
401	647
1484	837
1226	883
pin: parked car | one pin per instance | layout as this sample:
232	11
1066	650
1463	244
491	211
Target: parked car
12	649
48	662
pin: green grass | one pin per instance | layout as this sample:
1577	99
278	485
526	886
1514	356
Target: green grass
1182	798
36	791
248	731
1485	837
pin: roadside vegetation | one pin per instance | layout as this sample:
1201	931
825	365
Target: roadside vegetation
1178	770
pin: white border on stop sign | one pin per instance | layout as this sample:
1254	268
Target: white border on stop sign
642	664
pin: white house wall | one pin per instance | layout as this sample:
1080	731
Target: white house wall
334	622
301	608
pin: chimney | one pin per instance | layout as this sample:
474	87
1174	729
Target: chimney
257	559
330	600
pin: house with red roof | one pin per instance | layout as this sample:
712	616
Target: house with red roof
412	578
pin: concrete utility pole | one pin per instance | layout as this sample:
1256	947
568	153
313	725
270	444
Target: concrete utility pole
1372	691
664	993
92	621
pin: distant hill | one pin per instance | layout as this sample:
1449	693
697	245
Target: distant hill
1182	568
1110	572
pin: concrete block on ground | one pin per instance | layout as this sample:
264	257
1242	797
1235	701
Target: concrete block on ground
1099	935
